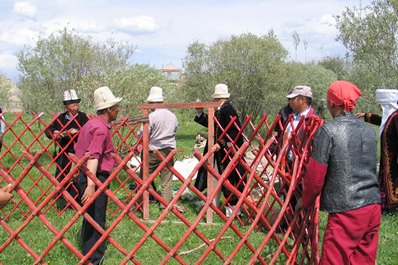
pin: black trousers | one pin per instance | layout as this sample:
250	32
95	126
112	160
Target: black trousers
97	211
63	163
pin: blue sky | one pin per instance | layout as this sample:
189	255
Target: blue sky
162	30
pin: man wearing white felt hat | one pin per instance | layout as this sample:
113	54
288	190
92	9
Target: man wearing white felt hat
96	139
222	142
162	137
64	130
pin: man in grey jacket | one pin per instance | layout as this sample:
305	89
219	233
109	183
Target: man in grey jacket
342	169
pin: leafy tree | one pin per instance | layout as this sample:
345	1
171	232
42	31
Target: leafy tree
66	60
5	87
370	35
337	65
292	74
246	63
134	85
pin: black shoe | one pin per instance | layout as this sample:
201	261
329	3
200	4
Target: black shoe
132	186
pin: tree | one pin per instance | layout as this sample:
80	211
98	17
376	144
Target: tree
370	35
66	60
337	65
5	87
293	73
134	85
296	41
246	63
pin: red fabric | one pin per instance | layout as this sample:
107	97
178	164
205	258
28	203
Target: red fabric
344	93
352	237
95	137
313	181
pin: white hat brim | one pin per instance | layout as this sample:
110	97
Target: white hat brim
109	104
227	95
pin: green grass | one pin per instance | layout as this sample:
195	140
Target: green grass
127	233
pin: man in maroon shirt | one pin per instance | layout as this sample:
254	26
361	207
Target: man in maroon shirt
95	138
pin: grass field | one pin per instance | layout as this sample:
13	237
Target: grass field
128	233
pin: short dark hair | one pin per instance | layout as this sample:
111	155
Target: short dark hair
101	111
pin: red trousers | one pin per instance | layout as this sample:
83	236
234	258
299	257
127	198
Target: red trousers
352	237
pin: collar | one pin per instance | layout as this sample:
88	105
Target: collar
303	113
102	119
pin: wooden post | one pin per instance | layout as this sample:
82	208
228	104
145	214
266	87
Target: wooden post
210	144
145	165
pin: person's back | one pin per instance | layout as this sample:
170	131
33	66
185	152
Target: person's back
162	129
351	180
342	169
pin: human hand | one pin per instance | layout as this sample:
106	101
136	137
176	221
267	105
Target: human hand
58	134
73	131
139	148
88	193
199	111
217	147
7	188
299	205
360	115
5	195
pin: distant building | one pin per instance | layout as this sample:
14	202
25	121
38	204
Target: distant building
173	73
14	102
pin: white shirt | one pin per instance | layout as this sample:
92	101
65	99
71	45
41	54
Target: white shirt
296	119
162	129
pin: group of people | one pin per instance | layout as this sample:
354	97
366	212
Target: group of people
341	169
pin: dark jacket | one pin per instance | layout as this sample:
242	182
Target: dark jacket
59	125
237	177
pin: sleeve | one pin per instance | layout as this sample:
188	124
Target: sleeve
317	166
54	126
372	118
202	119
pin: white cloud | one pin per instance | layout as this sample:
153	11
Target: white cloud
8	62
79	25
25	8
18	36
139	24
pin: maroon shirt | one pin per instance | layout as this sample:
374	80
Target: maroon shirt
95	138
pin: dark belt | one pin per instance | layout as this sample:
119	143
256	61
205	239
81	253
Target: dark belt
104	173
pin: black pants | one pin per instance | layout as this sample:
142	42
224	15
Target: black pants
64	164
97	211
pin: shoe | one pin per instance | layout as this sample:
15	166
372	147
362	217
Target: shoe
132	186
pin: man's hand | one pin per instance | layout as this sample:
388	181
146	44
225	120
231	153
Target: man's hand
360	115
88	193
139	148
58	134
5	195
73	131
199	111
217	147
299	205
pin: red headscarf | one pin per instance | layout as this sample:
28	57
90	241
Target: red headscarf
344	93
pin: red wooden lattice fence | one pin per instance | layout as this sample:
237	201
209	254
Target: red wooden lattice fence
268	230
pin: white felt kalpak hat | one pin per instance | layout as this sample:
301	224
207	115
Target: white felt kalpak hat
70	97
221	91
155	94
104	98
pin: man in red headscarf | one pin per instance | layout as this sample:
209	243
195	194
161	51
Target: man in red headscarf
342	169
